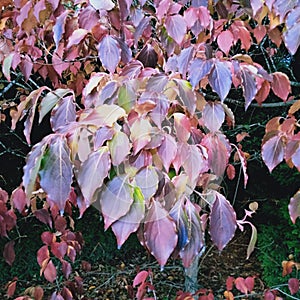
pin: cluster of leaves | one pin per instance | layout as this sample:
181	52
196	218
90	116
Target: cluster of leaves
137	95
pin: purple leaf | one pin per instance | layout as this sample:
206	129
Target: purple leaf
167	151
116	200
19	199
9	252
92	173
249	86
273	151
213	116
109	53
102	135
56	171
176	27
186	95
184	59
129	223
147	180
76	37
119	147
103	4
160	233
222	221
59	27
63	113
220	79
199	68
294	207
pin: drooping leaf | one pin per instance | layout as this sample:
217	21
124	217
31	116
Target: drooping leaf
167	151
198	69
102	135
225	41
243	161
160	233
253	240
59	27
249	86
56	171
294	207
148	56
109	53
196	235
184	59
187	95
50	272
119	147
92	173
147	180
63	113
127	95
140	134
19	199
159	112
220	79
77	36
281	85
9	252
291	36
129	223
116	199
273	151
182	126
222	221
293	285
176	27
213	116
103	4
6	65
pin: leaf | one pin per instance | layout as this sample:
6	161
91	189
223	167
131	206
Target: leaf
184	59
186	94
109	53
140	278
291	37
140	134
273	151
293	285
104	115
92	173
220	79
59	27
19	199
196	236
176	27
222	221
148	56
127	95
64	113
147	180
252	242
263	92
32	167
9	252
76	37
294	207
160	233
51	99
7	62
240	285
243	161
116	200
225	41
11	288
56	171
50	272
249	86
199	68
119	147
182	126
103	4
281	85
129	223
167	151
294	108
213	116
102	135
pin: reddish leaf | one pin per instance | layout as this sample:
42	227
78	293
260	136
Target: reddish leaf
43	255
293	284
92	173
59	249
222	221
3	195
50	272
9	252
56	172
44	216
116	200
229	283
109	53
294	207
241	285
48	238
269	295
249	282
77	36
281	85
160	233
11	288
167	151
66	268
243	161
38	293
273	151
19	199
213	116
140	278
129	223
225	41
230	171
220	79
176	27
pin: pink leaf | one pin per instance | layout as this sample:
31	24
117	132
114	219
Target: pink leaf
88	18
109	53
3	195
273	151
160	233
9	252
39	6
92	173
222	221
66	268
182	126
241	285
220	79
56	173
140	278
50	272
281	85
167	151
48	238
116	200
19	199
176	27
225	41
249	282
77	36
294	207
213	116
293	284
